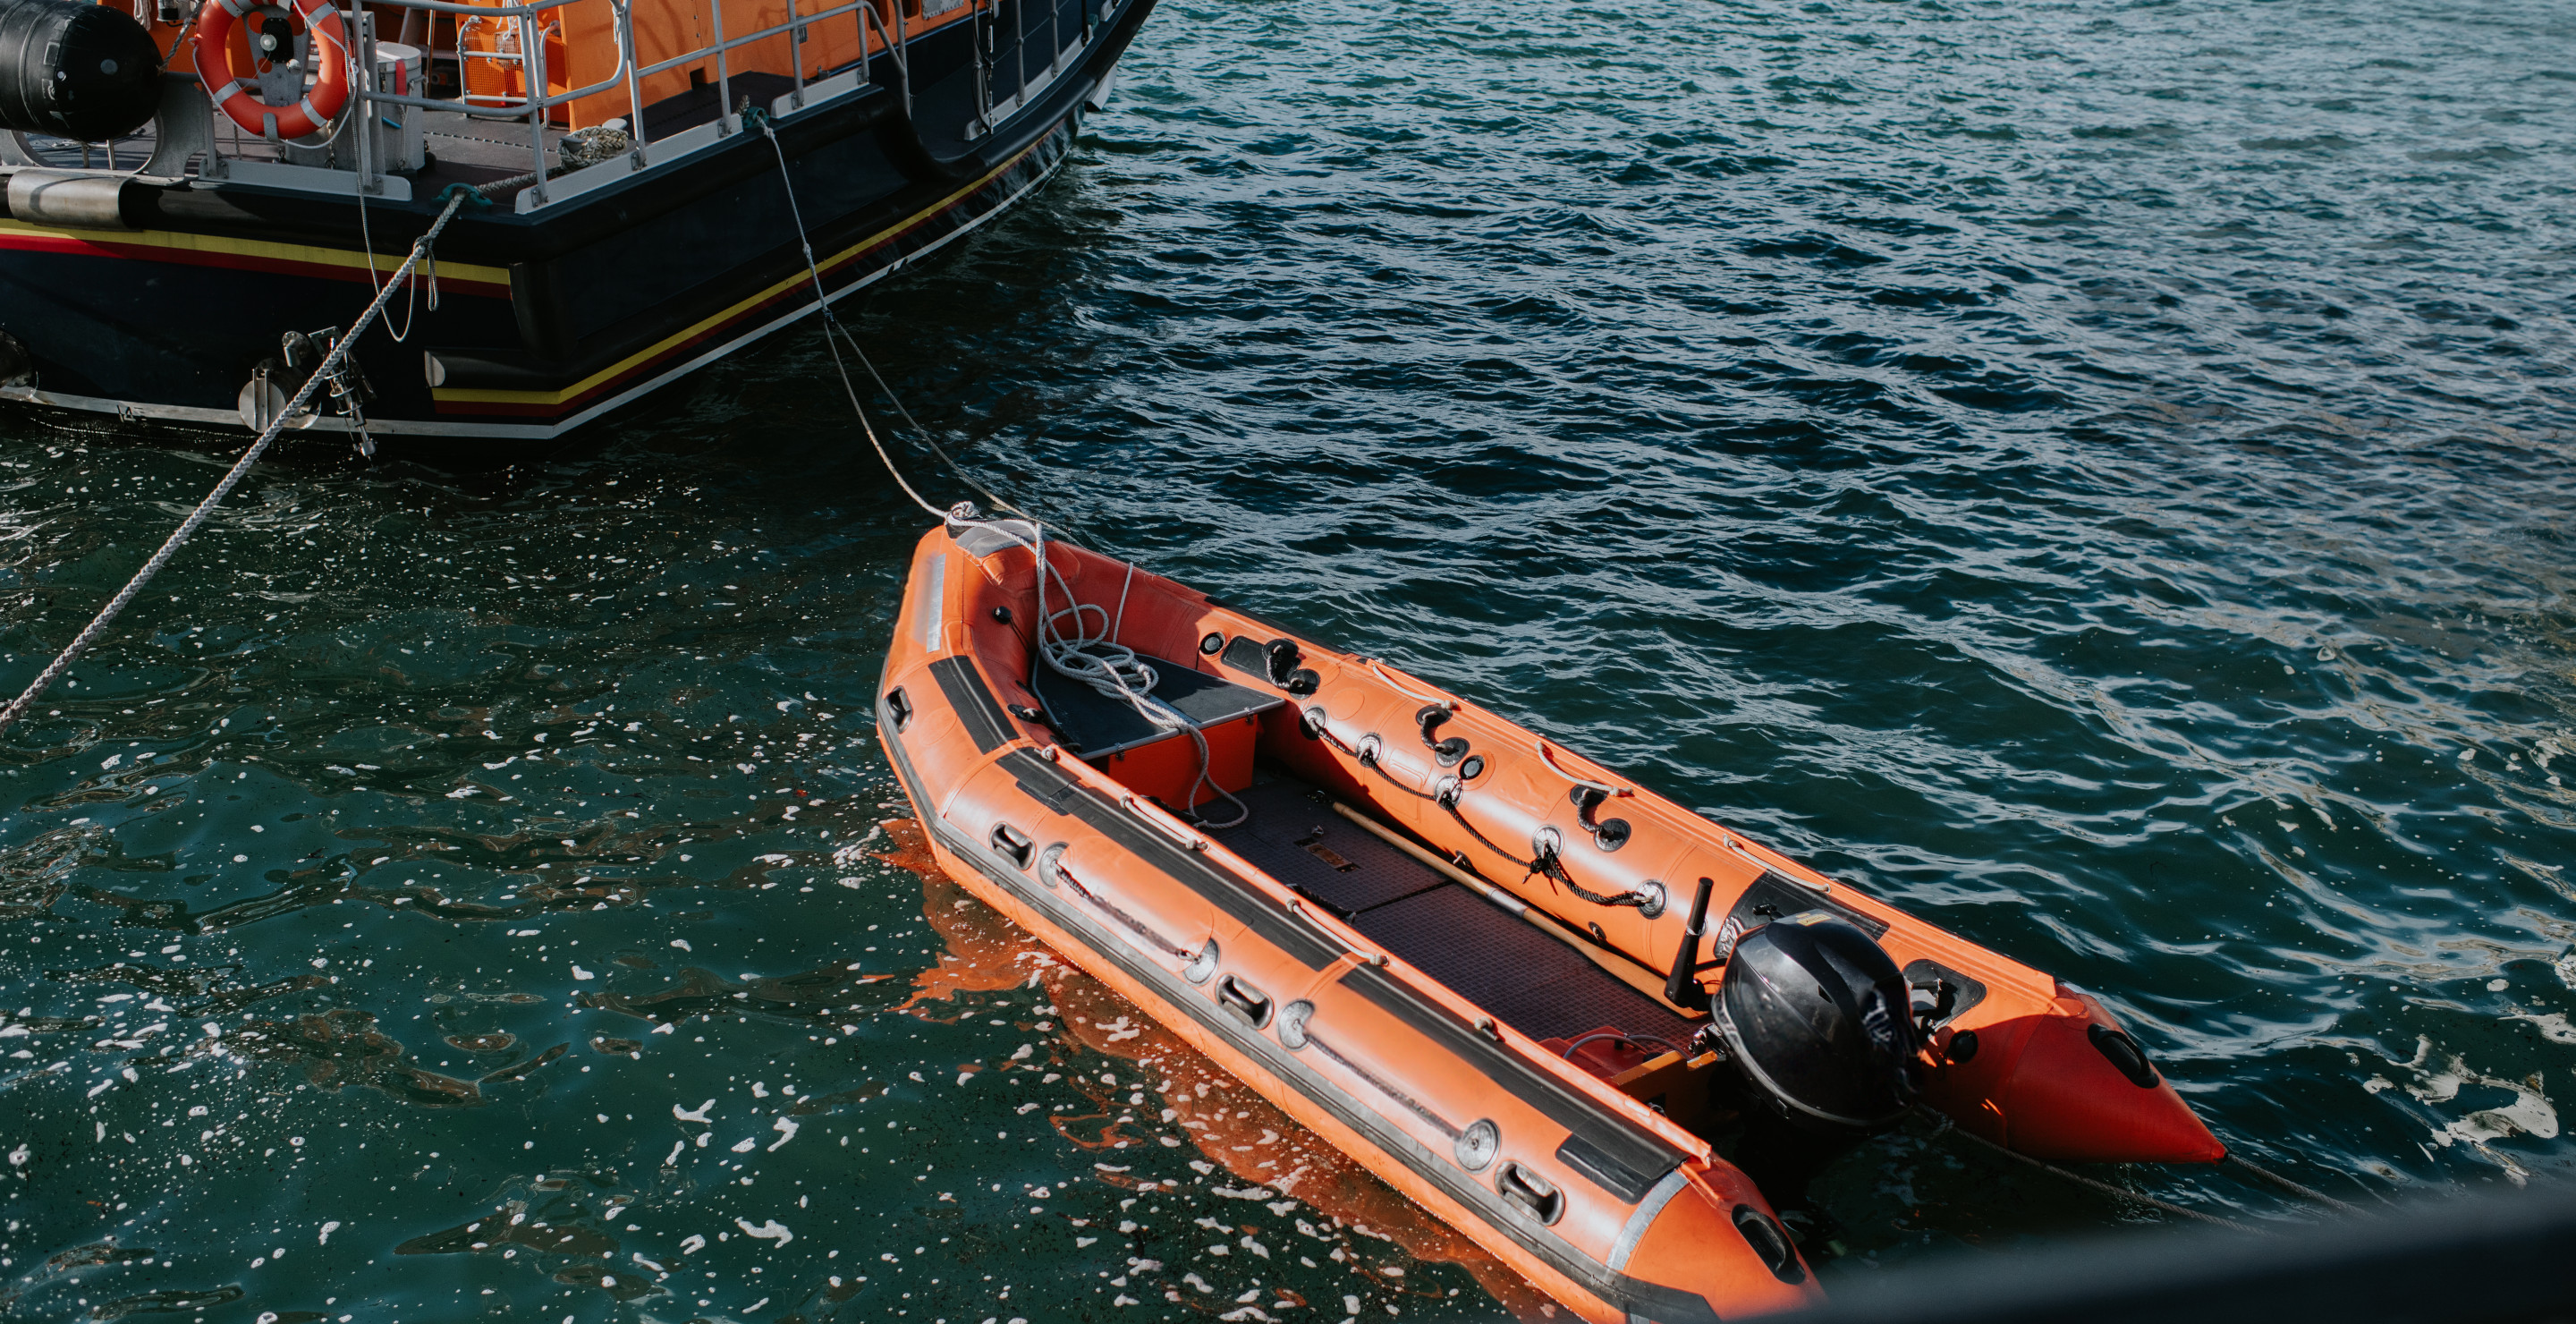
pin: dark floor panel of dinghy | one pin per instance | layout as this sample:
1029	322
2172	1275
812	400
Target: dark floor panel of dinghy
1528	980
1295	836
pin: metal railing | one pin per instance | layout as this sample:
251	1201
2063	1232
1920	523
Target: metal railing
536	103
523	25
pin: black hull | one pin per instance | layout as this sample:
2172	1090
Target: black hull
553	318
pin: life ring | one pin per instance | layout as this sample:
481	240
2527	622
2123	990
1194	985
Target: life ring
327	57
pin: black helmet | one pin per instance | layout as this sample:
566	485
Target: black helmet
1817	1016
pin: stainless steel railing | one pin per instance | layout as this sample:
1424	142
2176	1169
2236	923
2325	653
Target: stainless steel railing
523	25
535	105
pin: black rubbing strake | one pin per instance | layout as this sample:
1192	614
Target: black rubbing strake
976	707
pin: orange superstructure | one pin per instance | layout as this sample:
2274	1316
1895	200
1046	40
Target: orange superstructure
1432	937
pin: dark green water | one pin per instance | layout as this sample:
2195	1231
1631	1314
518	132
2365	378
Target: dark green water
2099	475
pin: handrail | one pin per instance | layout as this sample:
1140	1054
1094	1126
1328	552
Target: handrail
877	36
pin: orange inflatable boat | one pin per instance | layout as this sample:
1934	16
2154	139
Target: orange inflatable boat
1534	997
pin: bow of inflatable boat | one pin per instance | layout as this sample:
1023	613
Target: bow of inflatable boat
2067	1084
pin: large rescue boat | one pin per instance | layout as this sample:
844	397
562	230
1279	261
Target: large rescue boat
1601	1035
201	195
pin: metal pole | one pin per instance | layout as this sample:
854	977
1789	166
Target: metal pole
796	52
724	87
634	84
368	180
532	62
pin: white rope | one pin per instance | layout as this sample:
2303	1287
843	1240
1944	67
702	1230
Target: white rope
187	528
1097	660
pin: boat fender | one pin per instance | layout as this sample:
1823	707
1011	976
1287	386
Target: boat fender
1815	1016
86	72
68	199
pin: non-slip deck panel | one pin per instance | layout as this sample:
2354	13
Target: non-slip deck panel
1051	784
1528	980
1294	836
976	707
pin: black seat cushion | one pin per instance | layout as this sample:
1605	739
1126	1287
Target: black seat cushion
1093	724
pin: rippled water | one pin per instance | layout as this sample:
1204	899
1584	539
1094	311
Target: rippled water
2100	475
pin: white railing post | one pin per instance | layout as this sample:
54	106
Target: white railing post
725	122
532	64
369	181
634	83
796	50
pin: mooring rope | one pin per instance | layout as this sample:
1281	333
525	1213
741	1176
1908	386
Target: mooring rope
2293	1187
2135	1197
458	196
1097	661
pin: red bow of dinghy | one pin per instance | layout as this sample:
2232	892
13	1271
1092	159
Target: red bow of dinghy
1436	941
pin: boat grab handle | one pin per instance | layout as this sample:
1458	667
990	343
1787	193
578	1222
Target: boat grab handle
1164	823
1727	839
1548	758
1247	1004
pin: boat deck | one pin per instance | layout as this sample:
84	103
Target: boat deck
463	149
1523	977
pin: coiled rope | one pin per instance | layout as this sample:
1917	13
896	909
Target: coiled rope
457	196
1096	660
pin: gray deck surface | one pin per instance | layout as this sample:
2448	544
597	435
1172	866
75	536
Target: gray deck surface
1525	978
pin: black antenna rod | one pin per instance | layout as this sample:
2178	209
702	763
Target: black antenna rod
1684	980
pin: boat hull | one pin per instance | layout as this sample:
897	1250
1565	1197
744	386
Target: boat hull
545	320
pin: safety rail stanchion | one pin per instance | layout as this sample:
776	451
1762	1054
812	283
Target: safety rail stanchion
726	125
796	52
532	68
634	83
323	373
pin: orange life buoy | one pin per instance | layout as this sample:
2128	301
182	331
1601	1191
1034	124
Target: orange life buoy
328	57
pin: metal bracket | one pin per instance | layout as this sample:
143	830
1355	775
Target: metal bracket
183	127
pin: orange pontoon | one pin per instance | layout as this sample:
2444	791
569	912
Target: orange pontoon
1519	988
